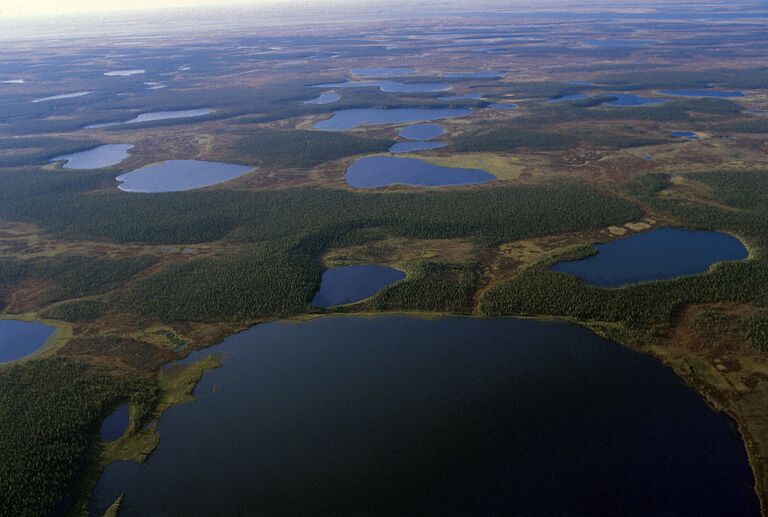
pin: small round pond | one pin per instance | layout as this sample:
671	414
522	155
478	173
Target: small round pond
348	284
18	339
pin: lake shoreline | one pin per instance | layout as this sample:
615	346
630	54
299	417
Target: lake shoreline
713	398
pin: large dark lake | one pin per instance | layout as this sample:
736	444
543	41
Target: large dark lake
655	255
397	415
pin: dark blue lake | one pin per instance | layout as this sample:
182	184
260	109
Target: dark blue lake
421	131
19	339
703	93
115	425
655	255
352	118
381	171
325	98
177	175
347	284
102	156
411	147
397	415
629	99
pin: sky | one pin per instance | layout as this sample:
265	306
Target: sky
34	8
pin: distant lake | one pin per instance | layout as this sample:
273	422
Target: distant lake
382	171
383	72
421	131
629	99
411	147
63	96
487	74
156	116
115	425
177	175
615	42
688	135
503	106
19	339
398	415
391	86
352	118
325	98
655	255
348	284
462	97
102	156
567	98
703	93
123	73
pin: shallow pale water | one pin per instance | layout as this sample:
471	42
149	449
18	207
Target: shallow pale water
102	156
382	171
177	175
156	116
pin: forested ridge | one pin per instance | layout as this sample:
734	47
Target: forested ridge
52	410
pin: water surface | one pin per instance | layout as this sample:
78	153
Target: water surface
486	74
177	175
325	98
102	156
688	135
115	425
156	116
503	106
391	86
348	284
568	98
63	96
383	72
352	118
396	415
421	131
19	339
629	99
123	73
655	255
703	93
382	171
